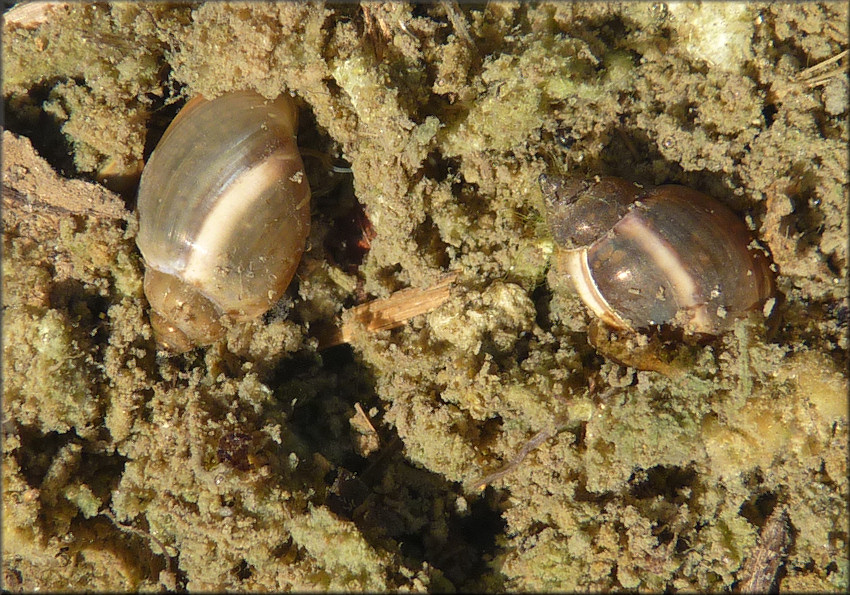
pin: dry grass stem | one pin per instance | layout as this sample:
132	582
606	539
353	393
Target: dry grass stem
30	15
822	72
389	313
364	417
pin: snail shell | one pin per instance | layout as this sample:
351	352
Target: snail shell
224	213
645	257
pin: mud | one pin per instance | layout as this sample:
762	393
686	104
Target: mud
264	463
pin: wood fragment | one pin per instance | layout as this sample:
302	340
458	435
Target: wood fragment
32	188
458	21
558	425
823	72
364	417
365	438
535	441
760	569
29	15
388	313
814	75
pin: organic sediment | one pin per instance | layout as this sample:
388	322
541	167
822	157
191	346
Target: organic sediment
264	463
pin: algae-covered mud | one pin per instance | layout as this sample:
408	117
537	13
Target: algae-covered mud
500	441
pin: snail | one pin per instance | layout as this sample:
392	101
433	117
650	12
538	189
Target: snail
224	214
668	255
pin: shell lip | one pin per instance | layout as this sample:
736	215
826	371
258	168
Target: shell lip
692	321
577	267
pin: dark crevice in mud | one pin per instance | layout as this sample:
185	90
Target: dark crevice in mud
769	113
161	115
758	507
349	237
85	308
35	462
400	508
427	236
397	507
25	116
542	298
664	481
439	168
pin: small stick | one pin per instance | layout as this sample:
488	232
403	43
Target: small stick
759	571
812	77
804	74
388	313
30	15
365	417
535	441
455	15
538	439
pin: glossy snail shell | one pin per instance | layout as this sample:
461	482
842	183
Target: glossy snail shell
224	213
645	257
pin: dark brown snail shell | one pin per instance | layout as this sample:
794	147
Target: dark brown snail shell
668	255
224	213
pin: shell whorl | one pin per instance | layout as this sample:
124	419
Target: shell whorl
224	208
672	256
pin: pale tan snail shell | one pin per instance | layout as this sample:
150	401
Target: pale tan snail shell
224	214
643	257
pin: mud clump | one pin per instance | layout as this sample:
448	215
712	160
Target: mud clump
264	463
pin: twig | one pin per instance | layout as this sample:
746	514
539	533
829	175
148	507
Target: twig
538	439
389	313
458	21
28	204
30	15
760	569
814	75
31	186
365	417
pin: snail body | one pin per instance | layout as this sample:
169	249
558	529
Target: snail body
640	258
224	214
